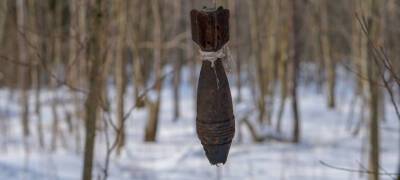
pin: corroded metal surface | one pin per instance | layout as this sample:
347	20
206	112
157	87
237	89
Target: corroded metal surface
215	122
210	29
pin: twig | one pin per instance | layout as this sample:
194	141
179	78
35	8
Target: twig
42	62
379	54
16	62
113	146
357	170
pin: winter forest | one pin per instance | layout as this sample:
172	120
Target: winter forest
124	89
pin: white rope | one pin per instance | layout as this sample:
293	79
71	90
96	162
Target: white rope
223	54
213	56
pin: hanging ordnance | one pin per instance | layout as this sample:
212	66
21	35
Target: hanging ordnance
215	122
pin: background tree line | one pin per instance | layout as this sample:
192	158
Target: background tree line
88	46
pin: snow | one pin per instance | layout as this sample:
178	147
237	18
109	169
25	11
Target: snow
178	154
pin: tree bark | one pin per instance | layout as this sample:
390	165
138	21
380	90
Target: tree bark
154	104
120	9
283	65
78	58
327	54
233	4
137	72
3	18
256	56
374	30
178	55
24	71
95	83
57	59
296	45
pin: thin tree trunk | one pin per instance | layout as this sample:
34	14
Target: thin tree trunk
232	4
120	71
270	58
95	83
190	55
78	57
296	23
74	55
57	59
374	90
137	72
398	168
178	62
23	77
36	70
38	106
3	18
255	53
283	77
154	104
326	53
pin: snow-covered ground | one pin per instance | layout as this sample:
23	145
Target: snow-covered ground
178	154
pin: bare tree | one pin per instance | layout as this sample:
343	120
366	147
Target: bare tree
233	7
374	29
283	61
256	56
326	52
154	104
3	18
97	21
121	13
178	56
296	45
24	70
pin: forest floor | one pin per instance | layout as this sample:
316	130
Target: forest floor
178	155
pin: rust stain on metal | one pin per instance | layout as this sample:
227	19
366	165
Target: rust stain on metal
210	28
215	122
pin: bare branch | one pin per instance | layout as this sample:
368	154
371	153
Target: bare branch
356	170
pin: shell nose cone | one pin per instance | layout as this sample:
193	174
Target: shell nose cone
217	154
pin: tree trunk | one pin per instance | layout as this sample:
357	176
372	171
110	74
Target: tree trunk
255	53
296	45
178	61
38	106
154	104
24	71
3	18
36	70
326	53
283	69
374	30
95	83
120	9
270	56
190	53
233	4
57	59
77	57
137	71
